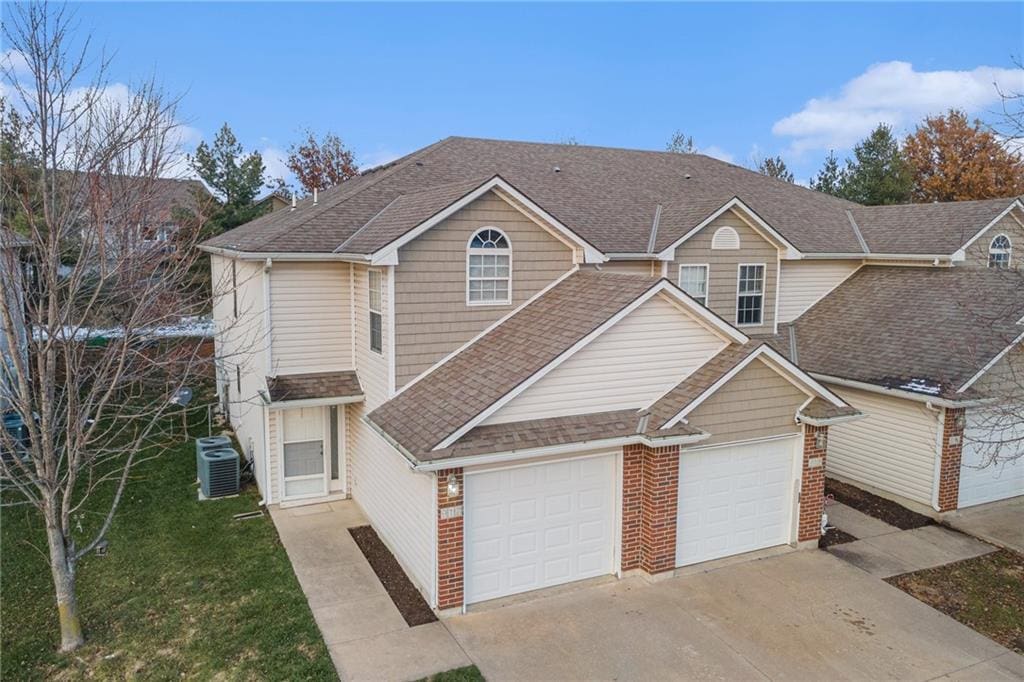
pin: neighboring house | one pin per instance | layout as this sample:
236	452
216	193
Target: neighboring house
531	364
13	339
274	201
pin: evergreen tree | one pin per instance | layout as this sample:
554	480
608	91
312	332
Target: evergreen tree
234	177
879	173
831	179
775	167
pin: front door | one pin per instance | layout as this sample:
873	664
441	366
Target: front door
304	449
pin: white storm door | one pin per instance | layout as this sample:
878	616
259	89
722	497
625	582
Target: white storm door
536	526
303	453
734	499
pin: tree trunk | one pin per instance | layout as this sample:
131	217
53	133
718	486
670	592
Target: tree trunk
64	587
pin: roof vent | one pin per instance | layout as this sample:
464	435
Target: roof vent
315	198
557	169
687	176
293	201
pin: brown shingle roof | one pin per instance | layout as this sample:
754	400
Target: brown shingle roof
607	196
821	409
536	433
934	229
449	397
699	381
925	330
312	386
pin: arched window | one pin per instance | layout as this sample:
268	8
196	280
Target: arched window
725	238
999	251
489	268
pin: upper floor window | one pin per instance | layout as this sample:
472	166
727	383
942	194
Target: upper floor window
725	238
999	251
489	268
750	295
693	279
374	304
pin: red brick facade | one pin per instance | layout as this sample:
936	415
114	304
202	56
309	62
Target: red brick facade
949	466
650	496
812	483
449	542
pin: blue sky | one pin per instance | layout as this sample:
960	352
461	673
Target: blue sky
794	79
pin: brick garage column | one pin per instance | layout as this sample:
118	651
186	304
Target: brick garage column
650	496
949	464
449	541
812	484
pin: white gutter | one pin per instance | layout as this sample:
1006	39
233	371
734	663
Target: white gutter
635	256
529	453
906	395
314	402
878	256
284	256
814	421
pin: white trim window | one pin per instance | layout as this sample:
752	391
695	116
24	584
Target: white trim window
489	268
999	252
693	279
375	307
750	294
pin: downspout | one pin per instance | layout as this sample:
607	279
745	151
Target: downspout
268	319
937	469
266	499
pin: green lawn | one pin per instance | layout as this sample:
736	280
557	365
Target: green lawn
184	592
985	593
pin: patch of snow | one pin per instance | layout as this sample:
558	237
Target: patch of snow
922	386
186	327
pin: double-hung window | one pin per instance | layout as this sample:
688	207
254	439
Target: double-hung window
488	268
376	330
693	279
750	295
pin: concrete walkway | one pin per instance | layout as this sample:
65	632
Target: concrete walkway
1001	523
884	550
366	635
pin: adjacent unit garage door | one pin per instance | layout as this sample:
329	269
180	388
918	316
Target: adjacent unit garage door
734	499
535	526
980	483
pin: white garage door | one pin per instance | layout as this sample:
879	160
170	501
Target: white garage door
980	480
536	526
734	499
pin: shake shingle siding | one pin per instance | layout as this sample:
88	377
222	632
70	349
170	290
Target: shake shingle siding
432	315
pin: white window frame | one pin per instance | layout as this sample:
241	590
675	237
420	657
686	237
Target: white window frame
764	285
707	280
999	251
489	252
371	311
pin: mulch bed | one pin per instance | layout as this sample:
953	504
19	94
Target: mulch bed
985	593
834	536
878	507
407	598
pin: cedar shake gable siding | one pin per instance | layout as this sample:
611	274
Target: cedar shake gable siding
976	255
432	316
723	269
450	396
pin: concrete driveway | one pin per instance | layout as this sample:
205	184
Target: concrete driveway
1001	523
802	615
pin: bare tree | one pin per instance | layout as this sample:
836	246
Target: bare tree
82	184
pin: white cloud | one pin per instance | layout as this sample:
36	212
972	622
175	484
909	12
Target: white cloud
718	153
14	63
275	160
892	93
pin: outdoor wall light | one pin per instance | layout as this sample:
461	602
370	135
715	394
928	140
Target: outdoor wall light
820	440
453	485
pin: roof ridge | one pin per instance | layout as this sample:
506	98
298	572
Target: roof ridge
334	201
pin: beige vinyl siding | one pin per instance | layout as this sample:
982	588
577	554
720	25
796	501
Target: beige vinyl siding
893	448
630	365
647	268
804	283
371	366
398	501
723	268
273	452
242	343
310	317
757	402
432	317
976	255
